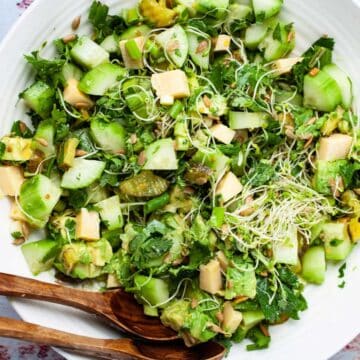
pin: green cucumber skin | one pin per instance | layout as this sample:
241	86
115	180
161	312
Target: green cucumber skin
110	212
100	79
265	9
88	53
321	92
110	136
201	60
161	155
46	131
82	174
111	44
38	197
155	291
314	265
40	97
243	120
254	35
135	31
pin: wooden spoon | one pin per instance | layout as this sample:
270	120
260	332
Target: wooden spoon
116	307
108	349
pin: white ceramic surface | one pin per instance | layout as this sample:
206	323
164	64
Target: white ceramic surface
333	317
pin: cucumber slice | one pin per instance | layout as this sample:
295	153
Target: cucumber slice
265	9
40	255
161	155
245	120
175	43
111	44
199	49
88	53
214	8
135	31
40	98
283	96
38	197
252	318
154	291
286	252
100	79
239	15
343	82
44	137
321	92
110	212
109	135
254	35
314	265
82	174
216	161
71	71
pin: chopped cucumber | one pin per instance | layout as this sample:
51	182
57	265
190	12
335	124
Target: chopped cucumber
40	98
161	155
337	241
265	9
245	120
102	78
109	135
216	161
110	212
199	49
44	137
214	8
82	174
135	31
111	44
88	53
252	318
286	252
321	92
175	44
71	71
239	16
153	291
40	255
283	96
254	35
314	265
343	81
38	197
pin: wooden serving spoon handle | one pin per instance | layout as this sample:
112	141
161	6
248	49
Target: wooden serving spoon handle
103	349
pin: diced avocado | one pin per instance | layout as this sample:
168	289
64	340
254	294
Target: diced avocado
214	8
314	265
82	174
40	255
88	53
110	212
161	155
354	229
17	148
44	137
135	31
245	120
175	313
67	153
240	283
109	135
153	291
101	78
286	251
71	71
251	319
215	160
197	324
38	197
40	97
337	240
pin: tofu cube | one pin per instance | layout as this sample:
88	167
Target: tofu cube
222	43
11	179
334	147
232	318
15	213
210	277
20	229
228	187
284	66
222	133
75	97
128	61
88	225
171	84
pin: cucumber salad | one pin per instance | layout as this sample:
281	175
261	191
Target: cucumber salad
182	152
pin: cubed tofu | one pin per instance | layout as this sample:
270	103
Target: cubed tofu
228	187
222	43
170	84
112	282
222	133
15	213
334	147
75	97
284	66
232	318
11	179
88	225
210	277
128	61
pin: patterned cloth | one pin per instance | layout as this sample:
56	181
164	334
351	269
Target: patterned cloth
16	350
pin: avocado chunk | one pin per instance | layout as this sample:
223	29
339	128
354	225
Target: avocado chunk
175	313
17	148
